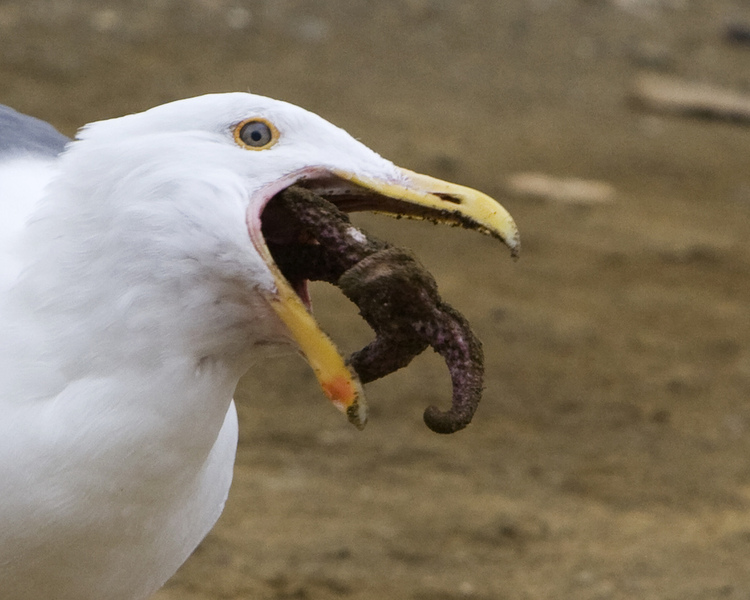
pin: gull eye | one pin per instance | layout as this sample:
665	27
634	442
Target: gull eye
256	134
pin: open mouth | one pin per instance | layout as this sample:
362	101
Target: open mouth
295	246
295	249
304	234
297	253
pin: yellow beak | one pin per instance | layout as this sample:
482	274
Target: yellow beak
414	196
420	196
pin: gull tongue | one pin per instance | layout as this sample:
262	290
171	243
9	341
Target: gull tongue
397	297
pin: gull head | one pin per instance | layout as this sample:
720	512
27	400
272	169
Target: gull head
171	208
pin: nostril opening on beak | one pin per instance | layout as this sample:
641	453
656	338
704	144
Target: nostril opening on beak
448	197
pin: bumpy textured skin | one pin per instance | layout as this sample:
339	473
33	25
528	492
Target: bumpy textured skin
397	297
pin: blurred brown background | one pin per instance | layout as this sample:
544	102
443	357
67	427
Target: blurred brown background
610	456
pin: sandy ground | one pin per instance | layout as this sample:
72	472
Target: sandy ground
609	458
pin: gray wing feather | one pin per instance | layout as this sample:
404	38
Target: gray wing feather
21	133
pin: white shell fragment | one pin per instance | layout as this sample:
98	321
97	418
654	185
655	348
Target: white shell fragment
565	190
688	98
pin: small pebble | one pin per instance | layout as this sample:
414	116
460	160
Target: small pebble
737	32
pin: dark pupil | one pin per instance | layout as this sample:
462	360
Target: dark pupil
256	134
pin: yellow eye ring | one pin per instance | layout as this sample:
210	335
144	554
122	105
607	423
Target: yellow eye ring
256	134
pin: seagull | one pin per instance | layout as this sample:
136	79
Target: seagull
136	288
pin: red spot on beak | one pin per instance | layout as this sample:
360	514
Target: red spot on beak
339	390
